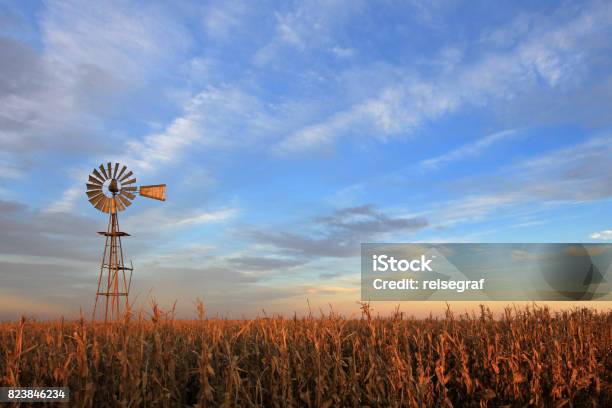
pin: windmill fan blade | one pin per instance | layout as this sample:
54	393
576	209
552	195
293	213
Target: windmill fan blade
94	193
98	175
126	176
107	204
124	200
94	201
116	168
157	191
121	172
113	206
128	195
100	204
118	204
132	181
103	171
94	180
93	187
110	170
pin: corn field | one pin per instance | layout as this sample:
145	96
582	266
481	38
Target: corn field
529	356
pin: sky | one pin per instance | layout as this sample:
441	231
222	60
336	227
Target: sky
288	133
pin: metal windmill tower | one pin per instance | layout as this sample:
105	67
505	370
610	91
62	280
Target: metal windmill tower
111	191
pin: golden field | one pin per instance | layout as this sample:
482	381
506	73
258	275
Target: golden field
529	356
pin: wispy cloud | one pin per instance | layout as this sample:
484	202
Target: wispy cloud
393	111
66	203
205	217
161	219
114	38
221	19
214	117
474	208
550	60
309	25
338	234
261	263
469	150
571	175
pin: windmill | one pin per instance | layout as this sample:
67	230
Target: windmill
112	191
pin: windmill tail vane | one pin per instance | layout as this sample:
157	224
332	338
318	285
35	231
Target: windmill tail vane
111	190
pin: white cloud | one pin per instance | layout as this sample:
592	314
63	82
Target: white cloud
394	110
75	193
604	235
473	208
342	52
161	148
287	31
221	19
206	217
319	134
469	150
68	200
530	223
310	25
161	219
216	116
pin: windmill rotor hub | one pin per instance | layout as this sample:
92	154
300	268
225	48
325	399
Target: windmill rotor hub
113	186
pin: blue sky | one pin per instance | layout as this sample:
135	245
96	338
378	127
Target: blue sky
290	132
